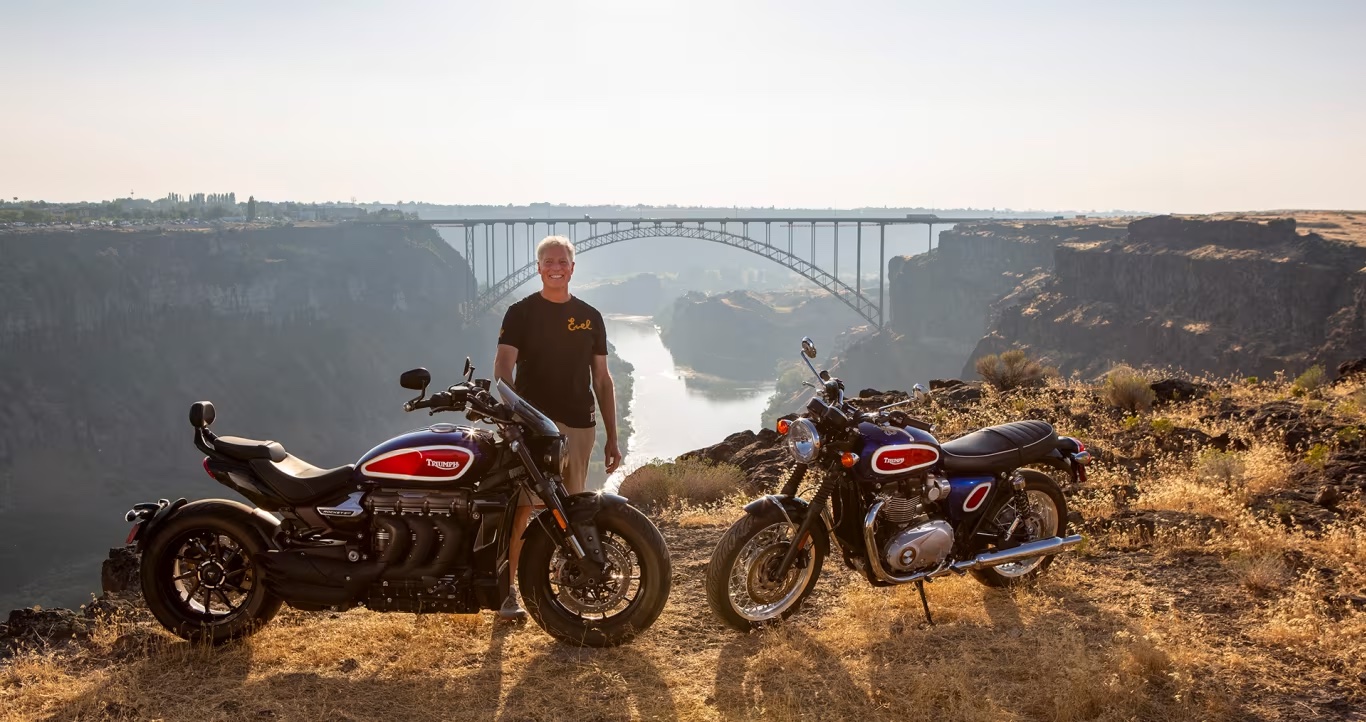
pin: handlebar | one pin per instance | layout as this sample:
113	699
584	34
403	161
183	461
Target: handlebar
455	398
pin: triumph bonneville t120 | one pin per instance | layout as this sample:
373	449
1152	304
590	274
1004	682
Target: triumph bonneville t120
899	506
421	523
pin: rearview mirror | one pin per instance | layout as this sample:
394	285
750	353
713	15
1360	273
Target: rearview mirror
808	347
417	379
469	369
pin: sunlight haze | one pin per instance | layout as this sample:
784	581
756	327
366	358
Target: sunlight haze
1162	106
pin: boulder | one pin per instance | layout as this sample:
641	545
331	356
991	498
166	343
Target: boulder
119	573
46	626
1173	389
936	384
1354	367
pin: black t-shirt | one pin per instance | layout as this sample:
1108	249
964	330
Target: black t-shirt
556	343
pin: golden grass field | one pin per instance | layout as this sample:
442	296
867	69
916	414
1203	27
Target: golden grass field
1235	615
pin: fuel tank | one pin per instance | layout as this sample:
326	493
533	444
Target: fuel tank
438	456
890	452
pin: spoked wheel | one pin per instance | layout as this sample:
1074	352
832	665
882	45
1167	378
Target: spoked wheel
743	586
200	579
1038	513
613	610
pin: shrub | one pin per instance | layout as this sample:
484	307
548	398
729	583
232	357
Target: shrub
1012	370
1220	467
660	484
1127	389
1317	455
1309	381
1163	426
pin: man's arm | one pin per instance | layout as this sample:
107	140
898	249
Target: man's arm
504	363
606	393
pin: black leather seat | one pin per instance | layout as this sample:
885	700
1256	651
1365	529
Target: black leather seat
1001	448
300	482
248	449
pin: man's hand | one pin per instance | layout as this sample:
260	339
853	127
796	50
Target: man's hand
611	456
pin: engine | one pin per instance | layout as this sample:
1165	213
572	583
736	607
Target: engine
422	538
911	541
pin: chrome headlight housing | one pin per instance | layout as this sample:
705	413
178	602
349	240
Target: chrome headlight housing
803	442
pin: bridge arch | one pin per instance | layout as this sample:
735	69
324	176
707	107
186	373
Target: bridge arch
862	305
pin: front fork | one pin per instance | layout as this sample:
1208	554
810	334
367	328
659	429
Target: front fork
814	512
580	538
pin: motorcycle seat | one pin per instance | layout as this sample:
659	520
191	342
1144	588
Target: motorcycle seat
997	449
248	449
300	482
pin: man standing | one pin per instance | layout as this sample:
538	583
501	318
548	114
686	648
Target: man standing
557	345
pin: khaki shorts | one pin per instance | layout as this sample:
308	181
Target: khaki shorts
578	449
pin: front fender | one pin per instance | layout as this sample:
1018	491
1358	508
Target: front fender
779	506
581	507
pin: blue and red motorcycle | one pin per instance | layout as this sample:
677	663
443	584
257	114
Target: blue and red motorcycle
899	506
422	523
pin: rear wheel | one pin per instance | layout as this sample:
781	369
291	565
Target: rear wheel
199	574
1040	512
743	587
598	615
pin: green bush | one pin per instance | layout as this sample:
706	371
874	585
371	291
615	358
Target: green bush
1163	426
1129	390
1012	370
1309	381
1317	455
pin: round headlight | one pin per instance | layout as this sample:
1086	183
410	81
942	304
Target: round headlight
803	441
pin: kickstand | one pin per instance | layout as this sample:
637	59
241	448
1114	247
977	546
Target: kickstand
920	585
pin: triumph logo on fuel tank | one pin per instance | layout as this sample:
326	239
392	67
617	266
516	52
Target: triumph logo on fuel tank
443	465
894	461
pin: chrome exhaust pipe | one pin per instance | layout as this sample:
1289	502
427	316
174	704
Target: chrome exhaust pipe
1041	547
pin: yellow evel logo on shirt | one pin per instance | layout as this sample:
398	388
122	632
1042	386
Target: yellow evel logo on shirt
585	326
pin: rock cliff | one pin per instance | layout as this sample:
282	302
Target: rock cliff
107	337
1247	296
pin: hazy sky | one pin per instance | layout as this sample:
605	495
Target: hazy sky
1163	106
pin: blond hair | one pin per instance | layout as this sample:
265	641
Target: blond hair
553	241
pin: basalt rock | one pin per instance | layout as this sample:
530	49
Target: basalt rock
119	573
46	626
1348	369
1173	389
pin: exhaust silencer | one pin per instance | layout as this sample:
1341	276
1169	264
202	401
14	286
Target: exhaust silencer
1024	551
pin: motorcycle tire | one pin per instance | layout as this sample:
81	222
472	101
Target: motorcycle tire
545	576
757	541
1039	486
207	549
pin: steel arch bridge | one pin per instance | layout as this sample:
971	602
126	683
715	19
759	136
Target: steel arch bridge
503	240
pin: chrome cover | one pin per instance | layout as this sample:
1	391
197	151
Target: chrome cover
920	546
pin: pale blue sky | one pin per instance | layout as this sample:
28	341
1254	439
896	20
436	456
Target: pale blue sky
1163	106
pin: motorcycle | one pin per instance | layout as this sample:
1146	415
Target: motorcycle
421	523
897	505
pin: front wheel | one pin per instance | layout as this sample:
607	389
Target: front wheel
606	614
743	588
1040	512
200	576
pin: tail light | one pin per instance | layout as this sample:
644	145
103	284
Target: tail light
209	471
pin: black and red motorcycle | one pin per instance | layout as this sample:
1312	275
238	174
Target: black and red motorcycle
421	523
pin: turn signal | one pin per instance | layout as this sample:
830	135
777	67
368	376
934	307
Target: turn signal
784	426
847	460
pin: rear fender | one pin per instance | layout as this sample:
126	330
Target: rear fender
266	526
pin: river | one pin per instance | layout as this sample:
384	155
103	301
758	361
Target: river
670	411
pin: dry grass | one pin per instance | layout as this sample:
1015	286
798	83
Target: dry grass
663	483
1249	618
